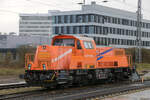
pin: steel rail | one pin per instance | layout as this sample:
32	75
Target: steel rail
13	85
45	92
21	94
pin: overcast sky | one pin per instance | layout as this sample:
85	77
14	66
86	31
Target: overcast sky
10	9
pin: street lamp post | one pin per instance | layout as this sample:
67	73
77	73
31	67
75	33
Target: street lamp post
82	3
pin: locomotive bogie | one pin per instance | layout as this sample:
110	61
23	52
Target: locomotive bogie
49	78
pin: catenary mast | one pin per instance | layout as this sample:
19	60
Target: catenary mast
138	35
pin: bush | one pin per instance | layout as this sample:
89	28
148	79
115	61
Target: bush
22	51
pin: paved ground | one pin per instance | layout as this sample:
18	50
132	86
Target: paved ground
143	95
147	74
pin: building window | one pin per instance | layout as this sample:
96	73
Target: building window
108	19
101	30
114	31
62	29
59	30
96	18
77	29
71	18
80	30
74	18
56	30
125	22
91	29
110	30
105	30
74	30
83	29
71	29
87	29
89	18
96	30
68	30
86	18
92	18
65	19
119	21
82	18
68	20
65	30
79	19
62	19
59	19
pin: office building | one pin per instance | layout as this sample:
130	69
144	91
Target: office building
107	26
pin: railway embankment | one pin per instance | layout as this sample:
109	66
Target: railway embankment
134	95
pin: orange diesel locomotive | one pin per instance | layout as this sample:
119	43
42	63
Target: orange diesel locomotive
75	60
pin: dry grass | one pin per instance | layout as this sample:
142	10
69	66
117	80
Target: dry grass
18	90
143	67
8	71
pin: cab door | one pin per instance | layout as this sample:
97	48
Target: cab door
89	54
79	49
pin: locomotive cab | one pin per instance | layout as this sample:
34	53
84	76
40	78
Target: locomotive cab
80	45
74	41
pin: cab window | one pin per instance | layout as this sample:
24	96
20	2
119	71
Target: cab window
64	42
88	45
78	45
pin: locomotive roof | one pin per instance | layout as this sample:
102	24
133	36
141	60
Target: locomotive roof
80	37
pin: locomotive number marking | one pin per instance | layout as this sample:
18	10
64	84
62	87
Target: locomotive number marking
43	55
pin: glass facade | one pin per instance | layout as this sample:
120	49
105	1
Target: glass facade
84	18
114	41
91	28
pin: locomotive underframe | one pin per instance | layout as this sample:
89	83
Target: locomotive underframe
50	78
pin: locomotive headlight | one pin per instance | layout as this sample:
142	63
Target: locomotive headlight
29	66
44	66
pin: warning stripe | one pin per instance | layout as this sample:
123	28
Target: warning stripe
61	56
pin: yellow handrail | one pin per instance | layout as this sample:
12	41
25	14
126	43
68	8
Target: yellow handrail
53	77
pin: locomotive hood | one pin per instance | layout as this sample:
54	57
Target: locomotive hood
53	57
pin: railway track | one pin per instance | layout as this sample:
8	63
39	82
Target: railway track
99	93
20	95
13	85
83	93
44	93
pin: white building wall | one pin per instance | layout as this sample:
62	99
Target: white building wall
35	24
108	11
